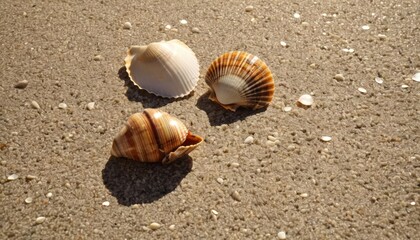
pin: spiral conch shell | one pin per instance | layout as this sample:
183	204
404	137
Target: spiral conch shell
168	69
154	136
239	79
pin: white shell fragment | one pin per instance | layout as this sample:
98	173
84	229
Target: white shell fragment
154	226
306	100
379	80
281	235
362	90
365	27
12	177
404	86
287	109
183	21
106	203
28	200
283	43
40	220
326	138
249	140
416	77
296	15
127	25
168	69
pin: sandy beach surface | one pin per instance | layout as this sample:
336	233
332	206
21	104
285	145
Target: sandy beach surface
356	58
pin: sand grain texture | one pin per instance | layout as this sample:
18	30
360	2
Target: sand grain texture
363	184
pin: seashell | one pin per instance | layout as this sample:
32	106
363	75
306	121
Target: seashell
154	136
239	79
168	69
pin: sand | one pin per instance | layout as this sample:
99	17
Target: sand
363	184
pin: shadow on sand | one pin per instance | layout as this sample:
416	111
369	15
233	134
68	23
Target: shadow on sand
133	182
217	115
148	100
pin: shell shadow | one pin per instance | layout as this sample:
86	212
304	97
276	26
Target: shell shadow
148	100
133	182
218	115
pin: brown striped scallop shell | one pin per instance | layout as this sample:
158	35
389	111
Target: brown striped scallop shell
154	136
240	79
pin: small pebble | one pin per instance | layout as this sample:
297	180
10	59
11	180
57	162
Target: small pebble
235	195
326	138
249	140
362	90
413	203
287	109
127	25
281	235
235	164
168	27
381	36
416	77
214	212
283	43
183	22
296	15
49	195
365	27
304	195
12	177
220	180
106	203
28	200
154	226
98	58
31	177
249	8
339	77
22	84
349	50
172	227
306	100
404	86
62	106
195	30
40	220
379	80
35	105
90	106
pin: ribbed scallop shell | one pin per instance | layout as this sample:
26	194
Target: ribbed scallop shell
154	136
239	79
168	69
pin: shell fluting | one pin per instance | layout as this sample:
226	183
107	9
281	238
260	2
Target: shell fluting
240	79
168	69
154	136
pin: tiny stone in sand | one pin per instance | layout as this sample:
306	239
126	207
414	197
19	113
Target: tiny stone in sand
235	195
22	84
287	109
31	177
154	226
416	77
326	138
183	22
249	140
172	227
283	43
127	25
296	15
220	180
49	195
35	105
98	58
12	177
281	235
362	90
365	27
62	106
40	220
339	77
28	200
249	8
379	80
306	100
195	30
106	203
90	106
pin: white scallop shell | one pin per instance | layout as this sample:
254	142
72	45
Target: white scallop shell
168	69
